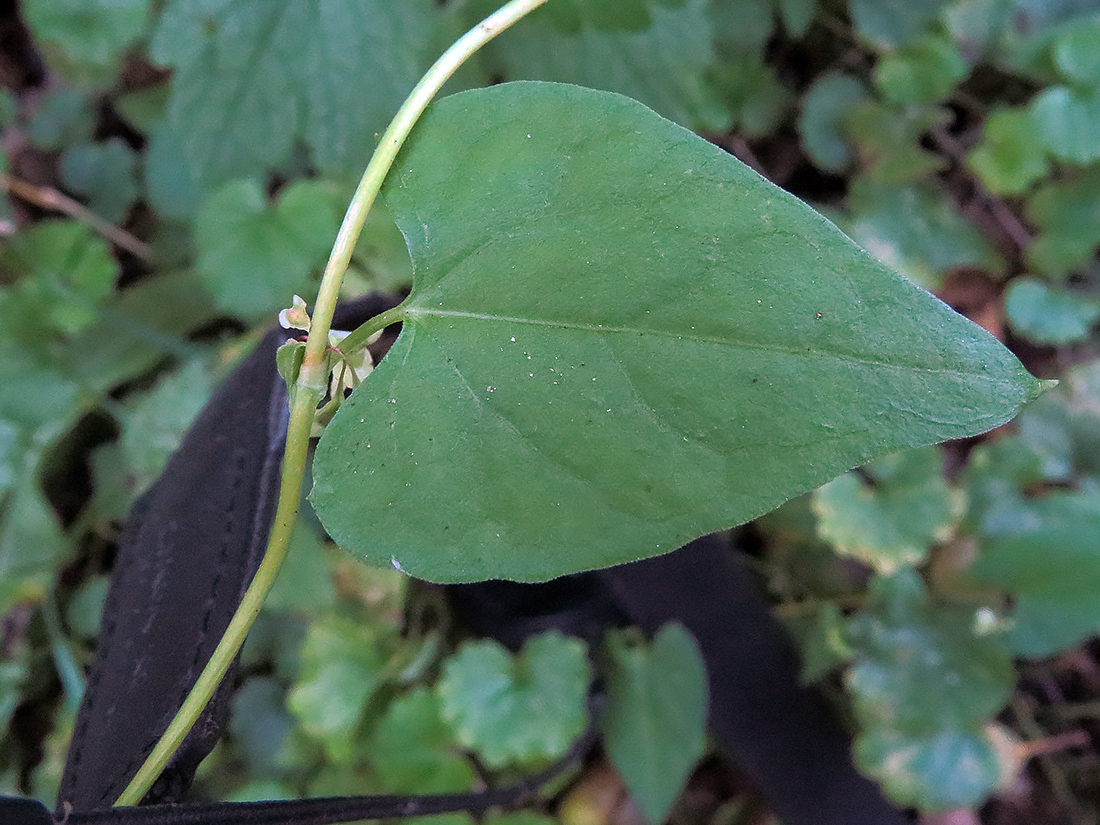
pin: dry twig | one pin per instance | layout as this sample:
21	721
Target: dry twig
49	198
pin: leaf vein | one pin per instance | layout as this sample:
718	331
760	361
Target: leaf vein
415	312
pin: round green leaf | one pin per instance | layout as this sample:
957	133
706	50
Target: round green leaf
895	22
1008	158
889	138
342	666
519	709
1067	215
64	271
1049	316
937	771
995	475
621	338
1057	440
893	520
918	230
921	72
754	94
920	665
63	116
1069	120
1077	52
86	38
414	750
105	174
1051	566
821	123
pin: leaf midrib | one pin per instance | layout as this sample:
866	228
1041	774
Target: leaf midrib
413	312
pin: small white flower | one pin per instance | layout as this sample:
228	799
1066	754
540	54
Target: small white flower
295	317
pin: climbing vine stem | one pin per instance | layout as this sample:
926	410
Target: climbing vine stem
310	387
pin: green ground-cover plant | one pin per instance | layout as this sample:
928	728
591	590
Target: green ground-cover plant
951	127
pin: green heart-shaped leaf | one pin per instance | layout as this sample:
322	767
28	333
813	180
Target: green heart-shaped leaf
655	725
620	338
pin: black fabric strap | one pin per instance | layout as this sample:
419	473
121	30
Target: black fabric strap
188	552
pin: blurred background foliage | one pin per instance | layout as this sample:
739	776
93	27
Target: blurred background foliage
175	171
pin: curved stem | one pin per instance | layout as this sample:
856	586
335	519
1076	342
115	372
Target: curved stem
314	373
310	387
294	459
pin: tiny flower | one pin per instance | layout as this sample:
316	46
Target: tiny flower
295	317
